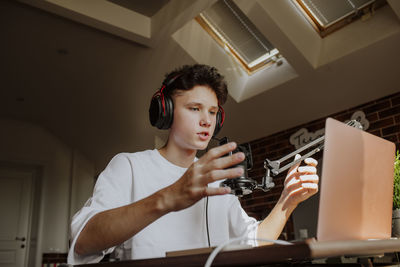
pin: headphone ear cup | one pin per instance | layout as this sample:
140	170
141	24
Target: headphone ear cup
218	122
159	118
161	111
169	113
156	112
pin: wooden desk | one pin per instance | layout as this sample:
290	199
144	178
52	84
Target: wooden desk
299	252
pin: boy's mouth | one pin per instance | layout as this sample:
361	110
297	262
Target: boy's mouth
203	134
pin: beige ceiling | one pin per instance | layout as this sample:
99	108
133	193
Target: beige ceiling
88	77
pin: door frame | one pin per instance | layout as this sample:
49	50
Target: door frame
36	172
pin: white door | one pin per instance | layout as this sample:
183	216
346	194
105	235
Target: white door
15	205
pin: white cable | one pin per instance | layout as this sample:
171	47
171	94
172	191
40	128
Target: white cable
215	252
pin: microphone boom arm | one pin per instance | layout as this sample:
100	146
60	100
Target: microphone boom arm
274	167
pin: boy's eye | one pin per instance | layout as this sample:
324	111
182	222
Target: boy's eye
194	109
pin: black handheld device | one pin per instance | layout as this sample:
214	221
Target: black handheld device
241	185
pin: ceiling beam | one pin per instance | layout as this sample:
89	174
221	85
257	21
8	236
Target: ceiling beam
101	14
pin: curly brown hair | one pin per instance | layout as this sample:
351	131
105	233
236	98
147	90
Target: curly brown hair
188	76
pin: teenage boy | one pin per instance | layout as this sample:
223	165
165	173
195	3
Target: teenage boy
150	202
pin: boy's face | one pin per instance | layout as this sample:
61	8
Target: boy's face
194	117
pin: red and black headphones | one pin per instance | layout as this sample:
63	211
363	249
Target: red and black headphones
161	111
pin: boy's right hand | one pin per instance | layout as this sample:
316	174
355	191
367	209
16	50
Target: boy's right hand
211	167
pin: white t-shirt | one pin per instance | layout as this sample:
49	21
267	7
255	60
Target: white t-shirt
130	177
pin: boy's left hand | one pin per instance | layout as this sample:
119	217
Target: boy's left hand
301	182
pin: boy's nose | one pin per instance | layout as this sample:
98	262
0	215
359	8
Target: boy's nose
206	121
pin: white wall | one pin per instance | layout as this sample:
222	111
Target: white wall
63	168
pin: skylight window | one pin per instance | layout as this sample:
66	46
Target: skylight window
328	16
230	27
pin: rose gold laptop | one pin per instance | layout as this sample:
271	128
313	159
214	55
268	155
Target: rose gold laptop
356	192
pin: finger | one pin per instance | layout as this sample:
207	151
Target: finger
292	173
215	191
307	170
224	162
311	161
217	152
311	186
216	175
309	178
293	169
290	179
303	171
292	182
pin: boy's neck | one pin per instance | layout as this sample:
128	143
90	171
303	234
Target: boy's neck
177	156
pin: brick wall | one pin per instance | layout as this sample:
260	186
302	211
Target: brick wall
384	118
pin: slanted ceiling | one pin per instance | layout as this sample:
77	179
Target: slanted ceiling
87	69
147	22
